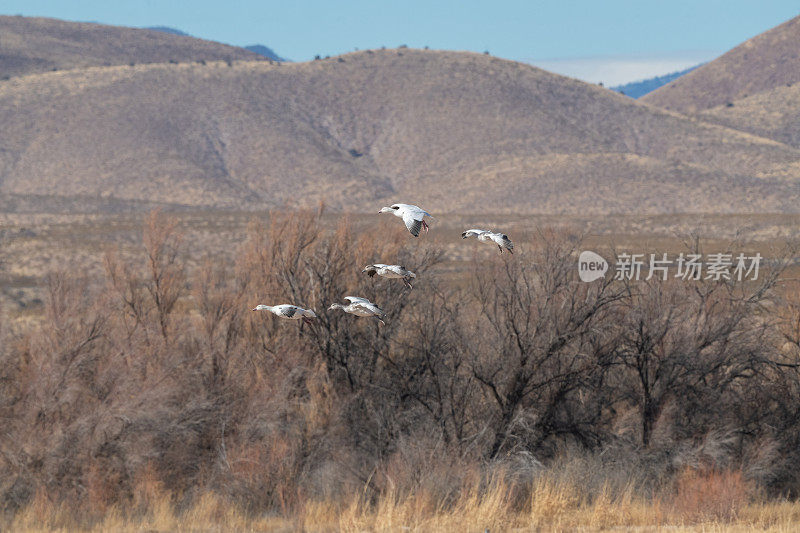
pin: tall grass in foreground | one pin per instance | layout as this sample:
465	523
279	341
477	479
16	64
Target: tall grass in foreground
700	501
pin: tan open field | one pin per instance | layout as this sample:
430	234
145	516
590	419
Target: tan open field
35	244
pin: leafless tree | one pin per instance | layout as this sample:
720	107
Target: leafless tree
166	277
160	373
543	335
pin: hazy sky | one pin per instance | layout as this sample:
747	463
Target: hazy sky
597	40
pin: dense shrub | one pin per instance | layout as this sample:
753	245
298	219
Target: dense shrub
158	379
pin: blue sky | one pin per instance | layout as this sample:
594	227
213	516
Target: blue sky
600	40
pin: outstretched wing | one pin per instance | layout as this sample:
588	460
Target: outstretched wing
502	240
287	310
413	224
371	307
416	210
472	233
357	300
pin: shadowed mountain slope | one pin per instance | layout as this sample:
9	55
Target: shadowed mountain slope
637	89
31	45
259	49
265	51
450	131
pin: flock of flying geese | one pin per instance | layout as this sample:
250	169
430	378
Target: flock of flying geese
414	218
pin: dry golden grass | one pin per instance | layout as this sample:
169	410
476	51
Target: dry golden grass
701	502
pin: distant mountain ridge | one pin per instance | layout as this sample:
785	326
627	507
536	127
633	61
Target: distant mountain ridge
637	89
35	45
167	29
755	87
763	63
265	51
259	49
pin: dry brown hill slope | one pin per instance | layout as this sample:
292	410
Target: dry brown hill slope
774	114
767	61
450	131
31	45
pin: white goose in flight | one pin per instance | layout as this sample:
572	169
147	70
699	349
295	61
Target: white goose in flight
288	311
500	239
412	215
360	307
391	272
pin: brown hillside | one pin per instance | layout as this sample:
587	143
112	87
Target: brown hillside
450	131
767	61
774	114
30	45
